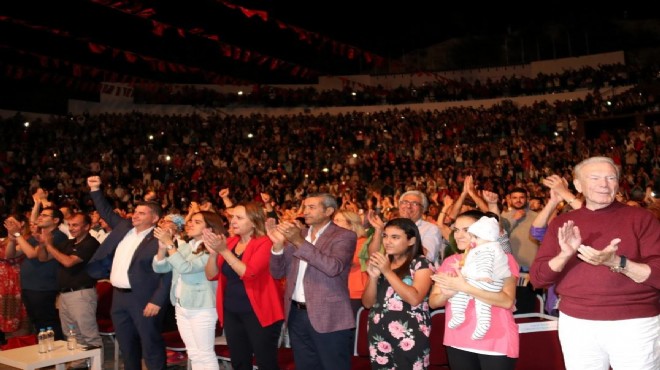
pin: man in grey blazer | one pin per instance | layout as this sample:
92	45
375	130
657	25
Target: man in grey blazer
315	262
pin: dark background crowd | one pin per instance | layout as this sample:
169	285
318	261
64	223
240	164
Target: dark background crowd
190	158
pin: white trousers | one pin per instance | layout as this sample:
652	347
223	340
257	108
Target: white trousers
632	344
197	329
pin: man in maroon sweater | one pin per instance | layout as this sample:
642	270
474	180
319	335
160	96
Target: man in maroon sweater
605	259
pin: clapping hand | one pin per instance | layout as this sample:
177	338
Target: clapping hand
448	283
12	226
46	238
373	271
164	237
595	257
214	243
380	262
291	231
569	238
489	196
375	220
275	236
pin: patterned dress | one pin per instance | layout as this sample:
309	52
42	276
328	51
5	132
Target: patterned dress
12	312
398	332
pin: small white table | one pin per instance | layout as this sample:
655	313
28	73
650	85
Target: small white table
29	358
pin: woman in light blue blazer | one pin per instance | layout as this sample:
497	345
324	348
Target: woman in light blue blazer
192	295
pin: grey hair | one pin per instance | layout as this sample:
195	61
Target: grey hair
417	193
608	160
327	200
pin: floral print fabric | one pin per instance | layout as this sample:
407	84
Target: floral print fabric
398	332
12	311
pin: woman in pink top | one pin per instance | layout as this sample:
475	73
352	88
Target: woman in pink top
498	349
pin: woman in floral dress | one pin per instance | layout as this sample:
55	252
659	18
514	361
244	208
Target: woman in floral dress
396	293
12	311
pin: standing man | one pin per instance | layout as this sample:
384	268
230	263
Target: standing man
605	260
139	293
77	289
412	205
520	219
39	288
316	262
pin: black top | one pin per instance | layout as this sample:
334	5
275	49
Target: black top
236	299
76	277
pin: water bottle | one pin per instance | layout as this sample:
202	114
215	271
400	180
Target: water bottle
50	336
43	346
71	342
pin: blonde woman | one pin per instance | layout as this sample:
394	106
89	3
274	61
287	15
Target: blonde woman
357	276
249	302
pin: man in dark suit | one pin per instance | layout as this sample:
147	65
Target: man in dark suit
139	293
316	262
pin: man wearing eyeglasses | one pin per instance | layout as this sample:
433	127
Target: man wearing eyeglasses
412	205
39	288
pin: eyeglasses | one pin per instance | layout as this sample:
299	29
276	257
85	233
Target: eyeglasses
409	203
457	229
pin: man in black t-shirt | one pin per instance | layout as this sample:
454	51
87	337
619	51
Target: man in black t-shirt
78	297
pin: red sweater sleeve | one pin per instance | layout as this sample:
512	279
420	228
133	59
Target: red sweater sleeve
595	292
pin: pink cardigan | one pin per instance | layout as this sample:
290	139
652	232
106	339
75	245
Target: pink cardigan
502	337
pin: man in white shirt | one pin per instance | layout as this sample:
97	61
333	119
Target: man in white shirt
412	205
139	293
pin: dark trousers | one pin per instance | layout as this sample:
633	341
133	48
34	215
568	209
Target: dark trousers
465	360
138	336
318	351
246	337
40	307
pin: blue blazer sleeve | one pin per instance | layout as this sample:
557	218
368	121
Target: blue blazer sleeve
100	264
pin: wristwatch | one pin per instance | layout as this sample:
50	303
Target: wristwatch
622	265
17	235
170	247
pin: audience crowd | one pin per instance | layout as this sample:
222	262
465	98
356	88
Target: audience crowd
442	89
367	161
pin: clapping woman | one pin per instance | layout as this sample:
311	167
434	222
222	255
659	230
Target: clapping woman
249	302
396	292
498	349
357	278
192	295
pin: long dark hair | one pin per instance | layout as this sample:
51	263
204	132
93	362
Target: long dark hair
474	214
411	231
214	222
451	247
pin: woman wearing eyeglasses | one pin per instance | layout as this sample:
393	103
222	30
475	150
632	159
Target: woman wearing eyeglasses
498	349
